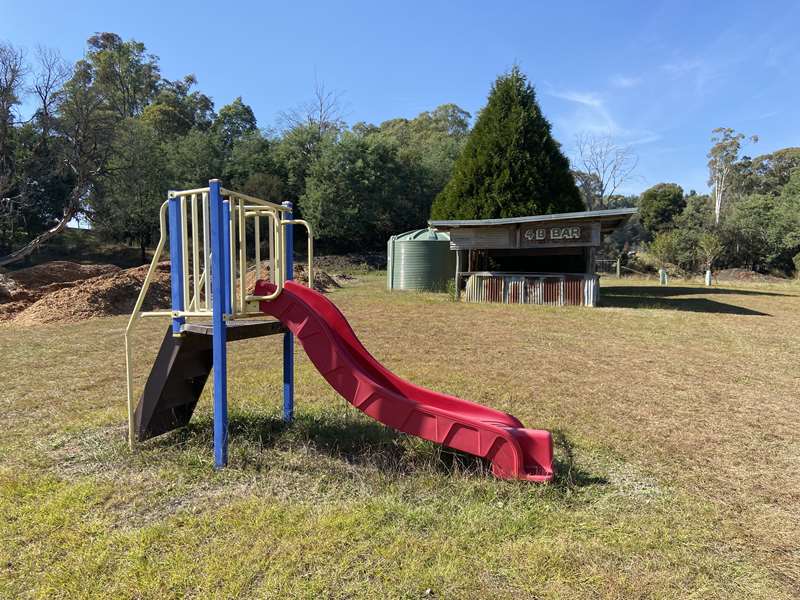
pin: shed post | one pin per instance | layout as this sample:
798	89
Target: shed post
458	274
590	256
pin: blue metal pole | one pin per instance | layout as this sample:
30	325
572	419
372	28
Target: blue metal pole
220	291
226	268
176	262
288	338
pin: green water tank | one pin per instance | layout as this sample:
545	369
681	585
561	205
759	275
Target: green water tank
420	260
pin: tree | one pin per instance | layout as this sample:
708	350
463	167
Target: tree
710	249
234	121
296	153
83	128
176	109
33	182
358	193
697	215
604	167
674	247
252	153
765	174
659	206
429	144
321	114
195	158
126	204
511	165
251	167
722	161
123	72
762	232
12	75
590	186
664	248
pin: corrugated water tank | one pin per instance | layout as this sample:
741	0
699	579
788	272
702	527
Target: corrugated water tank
420	260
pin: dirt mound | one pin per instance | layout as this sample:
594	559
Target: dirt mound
111	294
8	287
58	272
20	289
746	275
351	262
322	280
61	291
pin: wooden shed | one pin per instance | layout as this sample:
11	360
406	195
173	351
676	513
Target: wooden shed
541	259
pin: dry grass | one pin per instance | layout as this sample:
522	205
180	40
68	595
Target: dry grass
675	415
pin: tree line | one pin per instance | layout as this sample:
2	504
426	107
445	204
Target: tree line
750	220
109	136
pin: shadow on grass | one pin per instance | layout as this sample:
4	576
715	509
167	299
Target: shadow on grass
673	290
568	474
361	442
664	298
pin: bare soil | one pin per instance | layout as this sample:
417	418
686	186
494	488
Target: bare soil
20	289
105	295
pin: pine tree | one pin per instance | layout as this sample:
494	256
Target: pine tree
510	166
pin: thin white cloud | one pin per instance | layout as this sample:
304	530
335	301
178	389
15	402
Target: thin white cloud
585	98
623	82
591	115
767	115
684	67
701	72
643	137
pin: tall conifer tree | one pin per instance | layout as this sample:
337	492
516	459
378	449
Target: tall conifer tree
510	166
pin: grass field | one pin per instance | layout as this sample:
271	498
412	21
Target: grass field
675	414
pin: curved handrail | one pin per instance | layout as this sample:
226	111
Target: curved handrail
162	219
279	286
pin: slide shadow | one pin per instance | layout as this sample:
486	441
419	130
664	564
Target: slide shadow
568	474
356	441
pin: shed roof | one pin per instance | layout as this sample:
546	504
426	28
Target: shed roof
610	219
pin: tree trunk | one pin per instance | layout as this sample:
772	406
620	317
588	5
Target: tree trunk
143	248
70	211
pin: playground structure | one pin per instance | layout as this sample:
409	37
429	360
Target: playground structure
208	236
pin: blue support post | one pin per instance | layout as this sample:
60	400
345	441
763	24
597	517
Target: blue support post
226	268
220	294
288	338
176	262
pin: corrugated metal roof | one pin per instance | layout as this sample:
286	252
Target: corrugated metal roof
587	215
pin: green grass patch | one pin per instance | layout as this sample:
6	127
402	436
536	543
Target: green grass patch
655	411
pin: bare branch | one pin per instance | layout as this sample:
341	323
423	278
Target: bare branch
52	73
607	164
323	112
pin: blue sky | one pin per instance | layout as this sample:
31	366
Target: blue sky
657	75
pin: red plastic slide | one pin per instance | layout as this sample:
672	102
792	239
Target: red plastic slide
329	341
